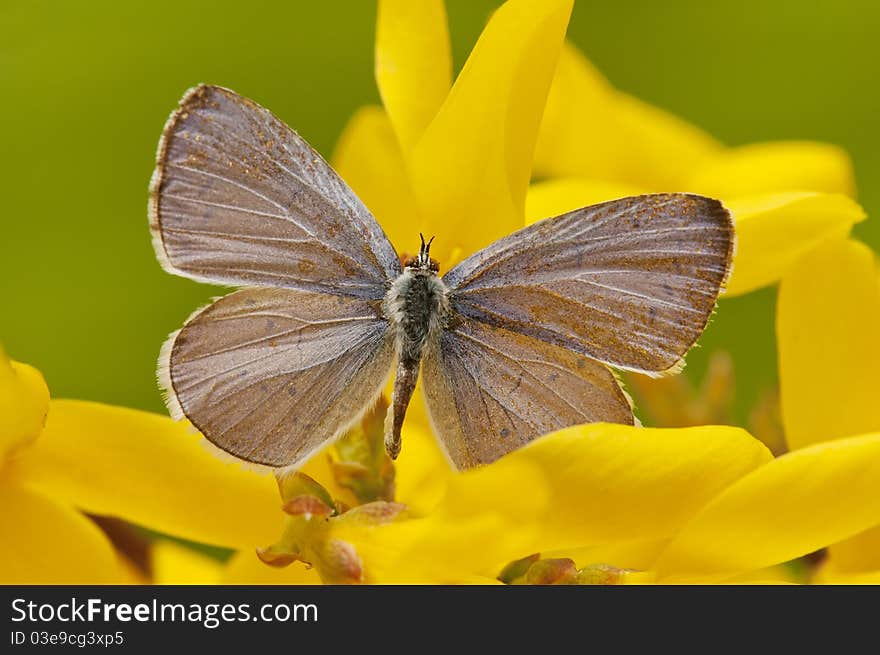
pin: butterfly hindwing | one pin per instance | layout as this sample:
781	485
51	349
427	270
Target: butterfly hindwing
270	375
490	391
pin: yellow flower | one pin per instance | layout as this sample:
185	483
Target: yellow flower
592	504
452	159
108	461
788	199
828	319
633	505
172	563
622	490
594	142
598	143
457	162
826	491
42	534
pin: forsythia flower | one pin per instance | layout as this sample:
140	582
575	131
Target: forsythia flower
599	143
108	461
453	160
457	161
598	503
660	501
786	197
827	324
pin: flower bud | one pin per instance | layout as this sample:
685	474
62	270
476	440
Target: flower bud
552	571
273	556
517	569
307	507
337	562
295	484
363	466
601	574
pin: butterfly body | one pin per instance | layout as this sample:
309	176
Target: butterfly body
417	307
513	342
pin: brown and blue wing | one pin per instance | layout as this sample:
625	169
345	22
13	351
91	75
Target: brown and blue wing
630	282
490	391
238	198
270	375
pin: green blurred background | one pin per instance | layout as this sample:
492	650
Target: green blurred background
87	86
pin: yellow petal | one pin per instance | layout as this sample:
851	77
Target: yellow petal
368	158
789	507
413	63
658	149
775	166
857	554
579	111
422	471
592	130
152	471
869	577
45	542
432	550
828	321
24	401
173	563
829	574
774	230
622	490
246	568
555	197
779	574
471	167
603	483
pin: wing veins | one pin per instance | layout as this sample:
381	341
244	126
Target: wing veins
524	370
228	180
651	299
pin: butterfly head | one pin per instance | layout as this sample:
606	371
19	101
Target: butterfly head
423	261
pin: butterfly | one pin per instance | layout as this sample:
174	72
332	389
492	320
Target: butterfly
512	343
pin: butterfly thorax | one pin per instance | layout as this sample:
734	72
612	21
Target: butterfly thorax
417	306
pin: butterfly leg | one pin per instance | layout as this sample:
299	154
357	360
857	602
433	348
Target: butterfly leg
404	385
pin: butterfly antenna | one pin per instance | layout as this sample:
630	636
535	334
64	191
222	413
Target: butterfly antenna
423	250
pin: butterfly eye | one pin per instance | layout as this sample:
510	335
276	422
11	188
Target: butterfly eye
411	262
434	265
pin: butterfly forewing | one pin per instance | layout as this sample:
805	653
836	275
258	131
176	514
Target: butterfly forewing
238	198
490	391
270	375
630	282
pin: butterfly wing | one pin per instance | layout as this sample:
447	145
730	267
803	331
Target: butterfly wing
630	282
490	391
270	375
238	198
